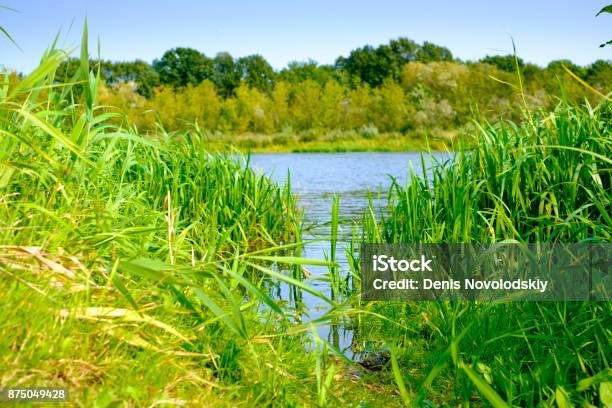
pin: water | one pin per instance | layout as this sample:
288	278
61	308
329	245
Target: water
315	177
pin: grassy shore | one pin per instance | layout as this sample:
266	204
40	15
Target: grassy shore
137	271
546	181
328	142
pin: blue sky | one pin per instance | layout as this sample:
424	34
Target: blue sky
297	30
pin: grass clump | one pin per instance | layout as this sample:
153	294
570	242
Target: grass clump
546	180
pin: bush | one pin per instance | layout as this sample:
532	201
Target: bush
368	131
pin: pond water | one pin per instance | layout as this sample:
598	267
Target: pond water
315	177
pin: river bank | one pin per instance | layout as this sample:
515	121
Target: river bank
330	142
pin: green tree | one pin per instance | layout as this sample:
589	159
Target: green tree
555	81
430	52
368	64
207	103
231	119
279	109
166	107
389	108
504	62
374	65
305	104
252	106
557	67
226	74
599	74
297	72
139	72
180	67
530	71
332	106
359	112
404	49
256	72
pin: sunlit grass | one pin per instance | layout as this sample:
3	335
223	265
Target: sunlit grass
547	180
136	270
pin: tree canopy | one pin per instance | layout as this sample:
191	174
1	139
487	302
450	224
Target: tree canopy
183	66
370	66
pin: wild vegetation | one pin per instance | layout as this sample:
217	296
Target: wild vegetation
136	268
547	180
399	94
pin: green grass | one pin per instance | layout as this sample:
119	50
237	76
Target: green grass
547	180
314	141
135	271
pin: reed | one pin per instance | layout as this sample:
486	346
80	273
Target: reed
136	270
334	276
546	180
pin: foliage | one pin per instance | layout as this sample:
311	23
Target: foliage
508	63
545	180
121	255
428	97
398	87
183	66
256	72
374	65
124	253
606	9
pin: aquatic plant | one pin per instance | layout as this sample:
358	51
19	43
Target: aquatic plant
545	180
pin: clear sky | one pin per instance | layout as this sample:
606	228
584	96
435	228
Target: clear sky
296	30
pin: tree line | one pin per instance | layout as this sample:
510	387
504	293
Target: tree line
395	87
